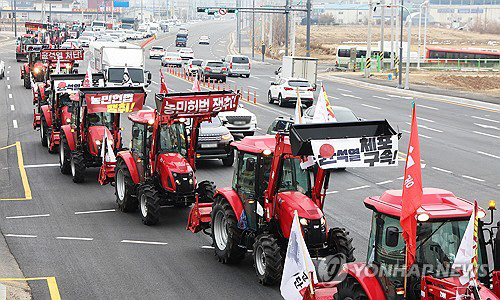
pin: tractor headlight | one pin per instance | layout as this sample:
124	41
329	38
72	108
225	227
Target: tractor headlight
191	181
177	182
481	214
303	221
423	217
68	120
37	70
190	174
174	174
227	137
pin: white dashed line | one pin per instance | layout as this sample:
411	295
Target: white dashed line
428	128
487	154
8	78
487	134
374	107
332	192
472	178
8	86
358	188
252	87
485	119
143	242
12	107
94	211
14	122
9	67
384	182
442	170
73	238
230	80
28	216
420	135
428	107
344	90
207	247
154	82
423	119
8	72
400	178
350	96
41	166
21	235
487	126
383	98
10	96
398	96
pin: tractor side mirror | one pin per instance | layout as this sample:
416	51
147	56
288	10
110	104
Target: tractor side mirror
276	73
135	133
392	236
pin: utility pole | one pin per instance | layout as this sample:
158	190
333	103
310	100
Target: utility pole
369	43
308	28
15	19
392	35
293	34
425	25
407	76
253	29
400	78
105	10
382	24
142	14
287	6
238	26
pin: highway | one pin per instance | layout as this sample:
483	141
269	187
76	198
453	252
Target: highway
75	233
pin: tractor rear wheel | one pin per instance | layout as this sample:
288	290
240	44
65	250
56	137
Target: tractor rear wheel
64	155
350	289
27	83
268	262
48	136
43	131
149	201
225	233
339	242
126	197
77	164
206	191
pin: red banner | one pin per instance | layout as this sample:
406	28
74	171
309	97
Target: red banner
195	104
114	103
62	54
34	26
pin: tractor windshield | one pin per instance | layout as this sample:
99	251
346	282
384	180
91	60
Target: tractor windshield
100	119
293	177
27	40
64	99
173	138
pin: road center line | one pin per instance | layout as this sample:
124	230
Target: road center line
358	188
487	154
94	211
351	96
374	107
384	182
442	170
472	178
344	90
485	119
73	238
487	134
14	122
21	235
143	242
383	98
28	216
41	166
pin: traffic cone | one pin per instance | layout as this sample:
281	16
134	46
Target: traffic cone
248	95
254	97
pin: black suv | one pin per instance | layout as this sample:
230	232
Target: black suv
214	142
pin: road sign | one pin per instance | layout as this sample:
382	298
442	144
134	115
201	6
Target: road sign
222	11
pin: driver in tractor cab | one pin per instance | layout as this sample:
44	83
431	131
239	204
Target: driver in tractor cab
428	251
93	119
248	175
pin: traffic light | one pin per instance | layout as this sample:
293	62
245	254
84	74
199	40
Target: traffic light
202	9
48	19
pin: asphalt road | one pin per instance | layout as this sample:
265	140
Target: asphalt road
74	233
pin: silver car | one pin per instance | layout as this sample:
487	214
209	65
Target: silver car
238	65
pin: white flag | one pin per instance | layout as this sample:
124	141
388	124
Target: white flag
323	112
466	258
298	110
58	66
196	85
107	153
298	265
87	81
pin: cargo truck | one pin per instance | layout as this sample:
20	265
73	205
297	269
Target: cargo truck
298	67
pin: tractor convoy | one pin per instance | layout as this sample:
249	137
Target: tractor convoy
78	116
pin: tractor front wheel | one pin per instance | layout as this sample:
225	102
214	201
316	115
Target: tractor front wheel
228	161
206	191
43	131
350	289
267	259
149	201
124	188
339	242
225	233
64	156
77	166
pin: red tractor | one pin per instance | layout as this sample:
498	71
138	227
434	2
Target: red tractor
442	221
159	167
35	70
22	43
268	186
95	115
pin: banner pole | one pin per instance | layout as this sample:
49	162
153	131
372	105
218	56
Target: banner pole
406	272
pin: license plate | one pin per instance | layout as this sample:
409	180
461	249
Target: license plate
216	71
239	122
208	145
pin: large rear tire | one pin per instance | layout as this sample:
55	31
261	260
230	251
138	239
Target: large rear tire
225	233
339	242
43	130
149	202
27	83
64	156
77	166
268	261
350	289
206	191
125	189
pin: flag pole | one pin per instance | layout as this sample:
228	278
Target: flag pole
406	271
303	247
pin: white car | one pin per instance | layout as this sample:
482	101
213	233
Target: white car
186	53
240	121
284	90
130	34
85	40
2	69
156	52
171	59
205	40
120	36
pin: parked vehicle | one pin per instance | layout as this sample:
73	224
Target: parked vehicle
157	52
238	65
213	70
284	90
171	59
193	67
204	40
186	53
214	142
241	121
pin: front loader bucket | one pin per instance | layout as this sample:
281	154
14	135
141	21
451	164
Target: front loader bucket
302	134
199	217
106	173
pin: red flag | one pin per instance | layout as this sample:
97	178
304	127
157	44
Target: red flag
163	85
196	85
412	193
87	81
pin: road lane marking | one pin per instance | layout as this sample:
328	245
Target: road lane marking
252	87
207	247
398	96
10	96
74	238
487	134
332	192
12	107
14	122
8	86
384	182
426	127
8	72
473	178
383	98
421	135
143	242
442	170
41	166
28	216
8	78
400	178
485	119
94	211
428	107
21	235
487	154
154	82
487	126
344	90
374	107
51	283
230	80
351	96
358	188
9	67
424	119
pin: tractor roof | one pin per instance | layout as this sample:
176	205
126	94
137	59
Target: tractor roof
257	144
437	203
142	116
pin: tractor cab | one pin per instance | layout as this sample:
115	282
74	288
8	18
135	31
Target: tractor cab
442	222
95	123
22	44
34	70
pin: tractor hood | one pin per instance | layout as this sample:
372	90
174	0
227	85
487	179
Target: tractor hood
65	115
174	162
294	201
170	163
96	133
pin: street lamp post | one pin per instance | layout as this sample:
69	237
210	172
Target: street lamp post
425	3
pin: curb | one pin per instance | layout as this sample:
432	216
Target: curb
434	97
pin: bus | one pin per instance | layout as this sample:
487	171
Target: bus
98	25
449	55
343	54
